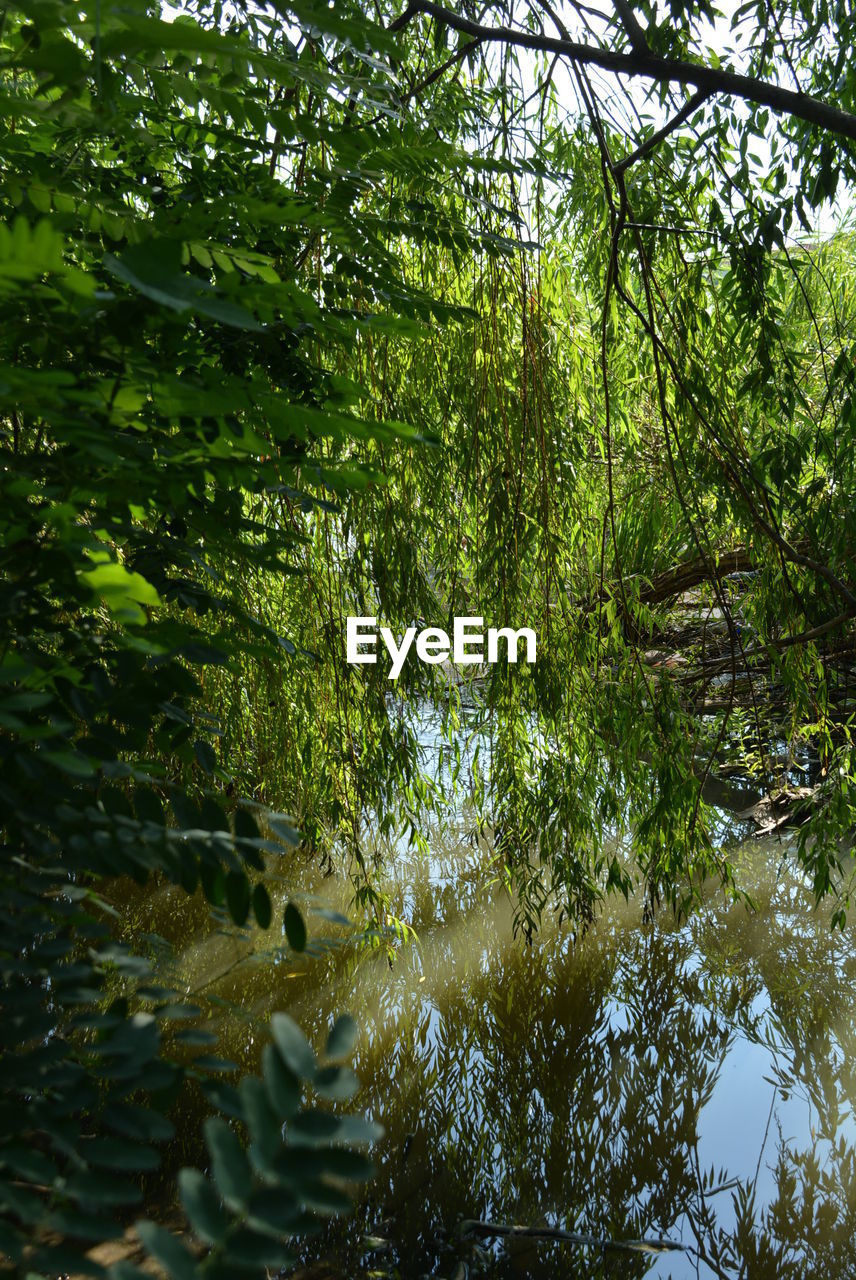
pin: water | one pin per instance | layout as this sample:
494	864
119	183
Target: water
692	1082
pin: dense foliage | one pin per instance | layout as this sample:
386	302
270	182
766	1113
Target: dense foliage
306	316
162	390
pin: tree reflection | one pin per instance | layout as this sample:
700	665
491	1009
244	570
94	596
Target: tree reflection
600	1087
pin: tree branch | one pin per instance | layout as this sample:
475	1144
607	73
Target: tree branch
700	96
630	22
442	69
648	66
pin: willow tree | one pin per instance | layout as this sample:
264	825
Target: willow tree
640	409
655	394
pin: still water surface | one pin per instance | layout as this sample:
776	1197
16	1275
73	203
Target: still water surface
694	1082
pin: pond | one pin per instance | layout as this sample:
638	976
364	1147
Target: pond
690	1082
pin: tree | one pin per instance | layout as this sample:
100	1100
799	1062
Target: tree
745	365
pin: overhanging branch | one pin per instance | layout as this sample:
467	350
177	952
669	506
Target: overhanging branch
648	66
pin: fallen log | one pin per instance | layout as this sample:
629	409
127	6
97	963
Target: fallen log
674	582
787	807
474	1227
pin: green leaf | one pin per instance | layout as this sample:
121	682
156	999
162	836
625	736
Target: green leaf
276	1210
357	1130
283	826
154	270
294	1048
325	1199
124	1270
238	896
205	756
260	1119
342	1038
202	1206
262	908
101	1190
26	254
168	1250
116	1154
249	1248
121	590
295	929
282	1084
336	1083
139	1122
229	1163
246	827
196	1037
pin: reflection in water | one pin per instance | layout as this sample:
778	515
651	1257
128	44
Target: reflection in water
692	1082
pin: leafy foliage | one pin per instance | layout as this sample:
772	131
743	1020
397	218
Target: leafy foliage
160	379
652	384
305	317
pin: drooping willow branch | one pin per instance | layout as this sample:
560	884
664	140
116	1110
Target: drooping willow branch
644	63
